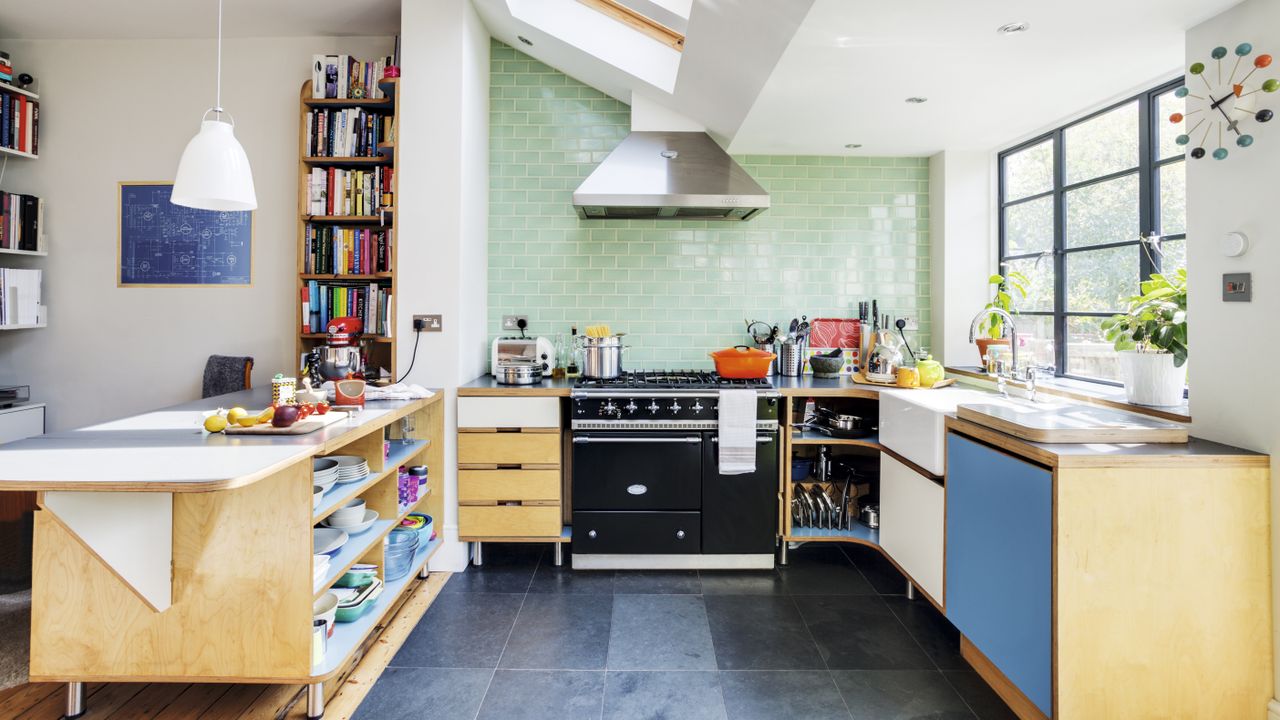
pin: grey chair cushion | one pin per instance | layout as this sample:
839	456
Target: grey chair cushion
224	374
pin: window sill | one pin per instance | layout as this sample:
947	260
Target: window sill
1087	392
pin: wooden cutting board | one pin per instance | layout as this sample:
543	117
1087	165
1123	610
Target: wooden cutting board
1073	424
302	427
862	379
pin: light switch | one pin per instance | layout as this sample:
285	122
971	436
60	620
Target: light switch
1237	287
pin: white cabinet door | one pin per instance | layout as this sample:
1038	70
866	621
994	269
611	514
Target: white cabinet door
912	513
508	412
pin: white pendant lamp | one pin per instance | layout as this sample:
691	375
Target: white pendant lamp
214	173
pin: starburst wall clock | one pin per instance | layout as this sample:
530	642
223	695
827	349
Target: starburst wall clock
1213	116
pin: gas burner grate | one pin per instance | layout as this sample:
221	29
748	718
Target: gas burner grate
670	380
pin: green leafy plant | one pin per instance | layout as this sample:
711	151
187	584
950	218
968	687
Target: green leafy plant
1156	320
1005	286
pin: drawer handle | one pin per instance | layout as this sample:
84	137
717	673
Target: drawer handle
637	489
591	534
588	439
679	534
760	439
509	466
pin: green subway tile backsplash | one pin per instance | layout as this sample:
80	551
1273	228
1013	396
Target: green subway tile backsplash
840	230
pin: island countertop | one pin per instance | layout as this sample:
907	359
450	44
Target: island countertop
166	450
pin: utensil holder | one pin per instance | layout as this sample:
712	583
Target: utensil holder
790	360
770	347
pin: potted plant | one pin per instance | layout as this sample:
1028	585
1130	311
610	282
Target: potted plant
992	326
1152	340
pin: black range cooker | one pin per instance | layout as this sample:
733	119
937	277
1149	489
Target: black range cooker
647	489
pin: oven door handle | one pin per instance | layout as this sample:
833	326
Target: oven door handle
587	440
760	439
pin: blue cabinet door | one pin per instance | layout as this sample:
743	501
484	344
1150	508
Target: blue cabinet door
999	561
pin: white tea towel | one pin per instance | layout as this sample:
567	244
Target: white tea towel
399	391
737	419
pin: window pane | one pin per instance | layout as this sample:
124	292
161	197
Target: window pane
1039	272
1103	213
1035	340
1102	280
1174	256
1173	198
1028	172
1088	353
1106	144
1167	105
1028	227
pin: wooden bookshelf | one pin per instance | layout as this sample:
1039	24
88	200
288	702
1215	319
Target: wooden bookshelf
381	350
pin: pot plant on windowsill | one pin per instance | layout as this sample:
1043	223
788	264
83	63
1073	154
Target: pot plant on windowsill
992	326
1152	340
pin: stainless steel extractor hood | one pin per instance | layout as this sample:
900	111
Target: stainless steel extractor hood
671	176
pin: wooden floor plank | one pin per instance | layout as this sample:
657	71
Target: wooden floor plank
51	707
16	700
110	698
148	703
236	700
192	702
275	702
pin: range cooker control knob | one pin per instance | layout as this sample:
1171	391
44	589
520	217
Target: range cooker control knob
679	534
653	407
631	407
697	406
675	406
610	409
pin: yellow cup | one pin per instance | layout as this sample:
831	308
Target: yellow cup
908	377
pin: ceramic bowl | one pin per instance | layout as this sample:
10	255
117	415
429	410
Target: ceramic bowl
327	541
325	608
826	366
350	512
317	494
352	528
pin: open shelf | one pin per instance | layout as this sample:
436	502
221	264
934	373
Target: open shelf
339	494
356	547
18	153
813	437
36	326
32	253
375	160
352	276
325	336
339	219
349	636
857	533
7	87
387	103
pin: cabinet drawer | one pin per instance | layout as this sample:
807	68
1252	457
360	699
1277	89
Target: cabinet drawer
497	485
650	533
911	517
508	448
508	412
498	521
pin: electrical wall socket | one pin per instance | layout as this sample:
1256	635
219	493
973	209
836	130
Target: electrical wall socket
428	323
511	323
912	324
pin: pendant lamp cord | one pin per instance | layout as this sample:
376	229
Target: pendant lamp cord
217	107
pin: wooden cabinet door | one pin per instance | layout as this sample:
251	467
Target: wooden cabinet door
999	561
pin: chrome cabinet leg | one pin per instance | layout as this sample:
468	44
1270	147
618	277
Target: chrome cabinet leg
315	701
911	591
559	559
75	700
423	573
782	555
477	554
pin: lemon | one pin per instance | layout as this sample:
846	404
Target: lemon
265	415
235	413
247	420
215	423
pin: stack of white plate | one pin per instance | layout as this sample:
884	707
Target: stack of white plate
324	472
319	568
351	468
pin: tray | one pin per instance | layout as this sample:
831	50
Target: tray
302	427
861	379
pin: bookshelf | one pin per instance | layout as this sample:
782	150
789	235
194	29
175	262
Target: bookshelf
20	214
381	349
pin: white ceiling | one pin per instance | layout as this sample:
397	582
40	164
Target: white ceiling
146	19
847	72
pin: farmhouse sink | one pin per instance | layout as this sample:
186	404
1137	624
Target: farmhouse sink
912	422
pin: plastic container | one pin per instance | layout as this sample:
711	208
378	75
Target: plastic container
422	524
742	363
397	556
801	468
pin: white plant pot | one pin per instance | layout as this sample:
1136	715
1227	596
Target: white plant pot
1151	378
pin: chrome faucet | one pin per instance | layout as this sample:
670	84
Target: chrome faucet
999	371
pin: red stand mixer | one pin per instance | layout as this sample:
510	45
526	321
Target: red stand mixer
342	360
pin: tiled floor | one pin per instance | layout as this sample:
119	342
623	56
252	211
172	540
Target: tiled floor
829	636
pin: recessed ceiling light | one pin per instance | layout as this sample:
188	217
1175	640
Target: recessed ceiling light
916	100
525	40
1013	27
853	146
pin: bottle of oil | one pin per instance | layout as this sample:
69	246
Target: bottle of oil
571	364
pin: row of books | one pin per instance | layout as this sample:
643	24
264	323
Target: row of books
20	297
6	67
342	76
19	122
346	132
330	250
21	220
337	191
323	301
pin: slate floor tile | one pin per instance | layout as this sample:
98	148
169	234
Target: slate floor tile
883	576
975	691
741	582
507	568
822	571
861	633
465	630
402	693
660	632
931	630
564	579
560	632
811	695
900	695
760	632
657	582
663	696
544	695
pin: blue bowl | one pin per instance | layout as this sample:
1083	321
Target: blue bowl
801	468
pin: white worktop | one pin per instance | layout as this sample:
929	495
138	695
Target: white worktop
167	450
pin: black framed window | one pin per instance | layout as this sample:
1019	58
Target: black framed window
1088	211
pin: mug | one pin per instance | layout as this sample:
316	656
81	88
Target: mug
908	377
